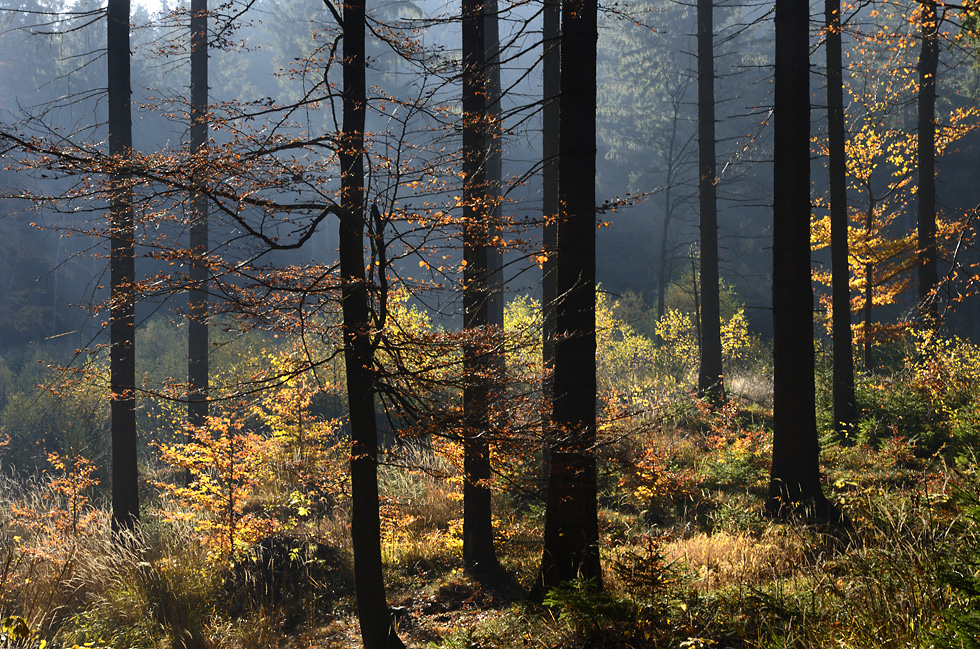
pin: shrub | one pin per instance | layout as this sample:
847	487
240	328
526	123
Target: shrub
300	577
225	464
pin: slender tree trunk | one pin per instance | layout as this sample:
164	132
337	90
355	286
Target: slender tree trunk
551	24
662	277
494	147
549	184
495	172
795	476
122	271
845	408
869	293
675	151
662	261
928	68
377	631
696	295
197	329
571	533
710	376
478	552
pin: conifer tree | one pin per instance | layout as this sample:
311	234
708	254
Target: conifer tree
478	359
844	406
795	474
710	374
122	267
571	532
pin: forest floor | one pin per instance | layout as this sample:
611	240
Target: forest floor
689	558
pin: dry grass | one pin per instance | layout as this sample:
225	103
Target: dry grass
726	559
753	387
42	556
421	510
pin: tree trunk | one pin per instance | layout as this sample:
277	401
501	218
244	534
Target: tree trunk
571	535
662	261
928	68
710	376
377	631
551	42
495	171
845	408
795	477
122	271
869	293
494	177
549	184
197	328
478	552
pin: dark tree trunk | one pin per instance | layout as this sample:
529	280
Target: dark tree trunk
571	535
795	477
122	363
928	68
845	408
869	302
710	376
197	329
377	631
478	365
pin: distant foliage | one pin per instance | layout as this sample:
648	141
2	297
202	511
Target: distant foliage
624	358
679	354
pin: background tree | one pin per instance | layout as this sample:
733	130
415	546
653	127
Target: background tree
881	154
647	132
845	406
710	375
879	261
928	68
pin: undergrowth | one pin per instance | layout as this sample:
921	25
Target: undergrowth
689	559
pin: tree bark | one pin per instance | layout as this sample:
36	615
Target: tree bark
710	375
197	328
571	535
377	630
845	408
795	476
926	148
122	362
478	366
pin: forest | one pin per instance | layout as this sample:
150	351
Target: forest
527	323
